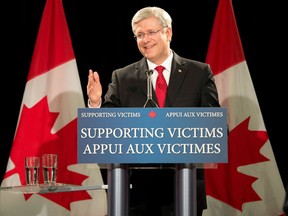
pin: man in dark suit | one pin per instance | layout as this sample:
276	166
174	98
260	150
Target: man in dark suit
189	83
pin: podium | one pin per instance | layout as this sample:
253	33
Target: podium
178	137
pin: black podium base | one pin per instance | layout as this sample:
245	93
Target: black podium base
161	190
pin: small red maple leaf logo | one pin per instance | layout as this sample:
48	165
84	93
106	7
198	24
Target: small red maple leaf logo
34	138
226	183
152	114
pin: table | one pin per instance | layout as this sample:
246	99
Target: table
55	188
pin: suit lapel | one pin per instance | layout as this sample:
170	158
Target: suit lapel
140	73
178	73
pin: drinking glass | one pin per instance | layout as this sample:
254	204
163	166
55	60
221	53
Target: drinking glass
32	170
49	167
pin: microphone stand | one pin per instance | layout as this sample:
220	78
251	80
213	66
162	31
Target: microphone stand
149	89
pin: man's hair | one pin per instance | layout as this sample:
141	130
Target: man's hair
162	16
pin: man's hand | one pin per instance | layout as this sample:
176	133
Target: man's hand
94	89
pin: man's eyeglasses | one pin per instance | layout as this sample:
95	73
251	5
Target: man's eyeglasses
151	33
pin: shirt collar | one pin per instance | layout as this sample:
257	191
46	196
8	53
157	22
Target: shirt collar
167	63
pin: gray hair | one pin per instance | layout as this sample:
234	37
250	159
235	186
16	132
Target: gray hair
163	17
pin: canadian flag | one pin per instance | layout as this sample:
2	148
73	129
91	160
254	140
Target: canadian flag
250	183
47	123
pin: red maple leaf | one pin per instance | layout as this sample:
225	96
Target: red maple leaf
34	138
226	183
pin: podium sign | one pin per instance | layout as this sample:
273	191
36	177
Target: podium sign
152	135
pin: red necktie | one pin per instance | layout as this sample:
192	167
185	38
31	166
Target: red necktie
161	86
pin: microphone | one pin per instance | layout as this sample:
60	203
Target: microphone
149	89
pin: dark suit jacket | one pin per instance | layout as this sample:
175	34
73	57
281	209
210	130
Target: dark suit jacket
191	84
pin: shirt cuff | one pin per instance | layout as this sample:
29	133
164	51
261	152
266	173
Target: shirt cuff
93	106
